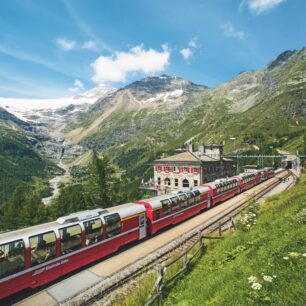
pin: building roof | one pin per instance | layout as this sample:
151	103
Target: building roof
207	158
181	157
190	157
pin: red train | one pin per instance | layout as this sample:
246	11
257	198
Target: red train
33	256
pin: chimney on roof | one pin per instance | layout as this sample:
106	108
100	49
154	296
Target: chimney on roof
190	147
202	149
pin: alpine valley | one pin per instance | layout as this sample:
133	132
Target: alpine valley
138	123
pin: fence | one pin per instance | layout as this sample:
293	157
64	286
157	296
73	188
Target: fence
162	280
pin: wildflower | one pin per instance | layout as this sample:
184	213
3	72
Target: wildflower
286	257
268	278
294	254
252	279
274	276
304	255
256	286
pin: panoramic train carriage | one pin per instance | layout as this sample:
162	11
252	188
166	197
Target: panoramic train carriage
223	189
36	255
269	172
174	208
247	180
266	173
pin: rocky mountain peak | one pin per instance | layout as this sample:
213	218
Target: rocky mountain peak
281	59
155	86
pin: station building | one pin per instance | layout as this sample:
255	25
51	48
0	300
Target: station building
189	168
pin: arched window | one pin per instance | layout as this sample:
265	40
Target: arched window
167	181
185	183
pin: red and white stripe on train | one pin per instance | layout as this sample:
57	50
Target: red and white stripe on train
36	255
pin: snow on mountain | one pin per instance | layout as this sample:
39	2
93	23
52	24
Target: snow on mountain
164	96
19	107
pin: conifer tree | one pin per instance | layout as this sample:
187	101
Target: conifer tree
100	183
11	218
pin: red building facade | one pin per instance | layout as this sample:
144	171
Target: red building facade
189	169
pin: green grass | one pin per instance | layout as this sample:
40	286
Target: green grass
22	165
221	276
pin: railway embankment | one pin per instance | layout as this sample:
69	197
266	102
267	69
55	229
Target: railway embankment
261	262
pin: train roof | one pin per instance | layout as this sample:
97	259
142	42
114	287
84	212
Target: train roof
123	210
246	174
28	231
126	210
155	202
220	182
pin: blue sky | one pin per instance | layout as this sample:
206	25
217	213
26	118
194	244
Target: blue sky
57	48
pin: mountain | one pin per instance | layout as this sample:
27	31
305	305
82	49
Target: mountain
20	162
120	111
133	125
262	109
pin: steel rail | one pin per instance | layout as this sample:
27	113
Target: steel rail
212	225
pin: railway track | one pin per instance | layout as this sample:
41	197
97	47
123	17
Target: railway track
141	264
220	220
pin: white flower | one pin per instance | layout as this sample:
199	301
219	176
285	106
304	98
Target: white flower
252	279
268	278
274	276
286	257
294	254
256	286
304	255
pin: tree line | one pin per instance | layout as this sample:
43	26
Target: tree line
92	186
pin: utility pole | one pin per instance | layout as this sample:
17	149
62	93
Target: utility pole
234	139
271	147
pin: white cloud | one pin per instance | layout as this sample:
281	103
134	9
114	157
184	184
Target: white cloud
229	31
89	45
77	86
186	53
258	7
193	43
65	44
116	68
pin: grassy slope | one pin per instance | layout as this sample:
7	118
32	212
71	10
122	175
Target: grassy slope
221	276
277	119
20	164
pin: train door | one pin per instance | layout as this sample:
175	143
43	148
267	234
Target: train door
142	226
208	200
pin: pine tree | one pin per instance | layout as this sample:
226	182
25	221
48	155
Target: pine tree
33	211
101	182
10	218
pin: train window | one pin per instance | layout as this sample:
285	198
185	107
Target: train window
166	207
183	199
197	196
157	214
93	231
191	198
43	248
11	258
113	225
71	238
175	203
